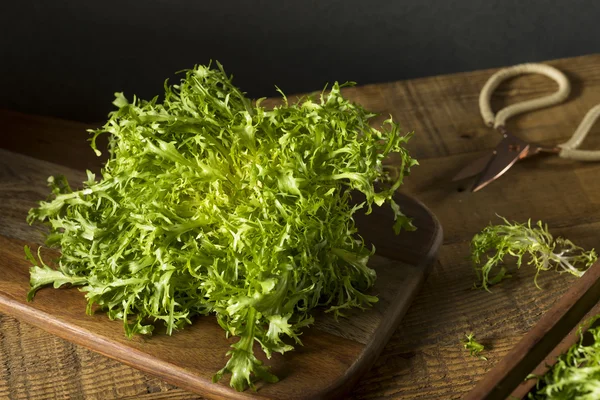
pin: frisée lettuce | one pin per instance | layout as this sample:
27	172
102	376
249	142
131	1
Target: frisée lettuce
213	204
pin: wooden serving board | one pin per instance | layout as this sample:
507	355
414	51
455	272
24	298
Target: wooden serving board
333	357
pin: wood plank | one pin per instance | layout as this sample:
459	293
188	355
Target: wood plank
559	192
51	139
343	351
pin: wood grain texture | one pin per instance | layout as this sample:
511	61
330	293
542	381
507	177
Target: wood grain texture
424	358
334	354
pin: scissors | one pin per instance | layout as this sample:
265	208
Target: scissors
512	149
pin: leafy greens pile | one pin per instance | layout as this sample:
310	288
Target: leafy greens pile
495	242
211	203
576	374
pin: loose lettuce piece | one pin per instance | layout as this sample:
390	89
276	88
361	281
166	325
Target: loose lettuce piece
543	252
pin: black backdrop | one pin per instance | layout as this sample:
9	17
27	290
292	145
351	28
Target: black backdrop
67	57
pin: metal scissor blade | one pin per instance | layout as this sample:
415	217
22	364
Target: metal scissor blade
510	150
473	168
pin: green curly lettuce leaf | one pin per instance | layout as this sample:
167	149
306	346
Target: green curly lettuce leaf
490	247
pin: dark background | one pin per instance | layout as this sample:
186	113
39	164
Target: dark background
67	58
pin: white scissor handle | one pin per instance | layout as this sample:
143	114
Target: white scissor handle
569	148
500	118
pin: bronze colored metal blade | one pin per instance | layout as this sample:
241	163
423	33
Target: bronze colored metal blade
473	168
510	150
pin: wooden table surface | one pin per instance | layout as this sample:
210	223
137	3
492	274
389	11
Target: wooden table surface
424	359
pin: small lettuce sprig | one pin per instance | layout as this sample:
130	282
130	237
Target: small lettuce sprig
495	242
475	348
